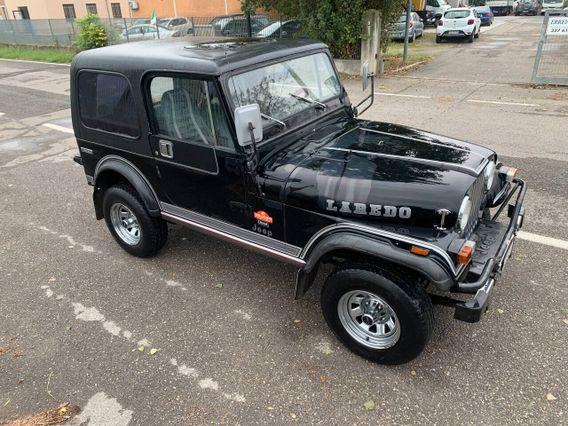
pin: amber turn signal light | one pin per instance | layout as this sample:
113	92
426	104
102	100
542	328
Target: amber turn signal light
419	251
465	253
509	172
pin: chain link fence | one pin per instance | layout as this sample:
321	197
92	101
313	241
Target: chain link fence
62	32
551	62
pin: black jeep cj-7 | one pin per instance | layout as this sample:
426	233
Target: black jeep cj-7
256	143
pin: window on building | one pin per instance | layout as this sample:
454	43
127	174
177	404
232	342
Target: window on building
22	13
106	103
91	8
69	11
189	110
116	12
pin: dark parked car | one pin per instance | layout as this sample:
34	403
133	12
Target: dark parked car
256	143
237	25
527	7
280	29
485	14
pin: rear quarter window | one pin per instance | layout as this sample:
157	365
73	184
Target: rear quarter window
106	103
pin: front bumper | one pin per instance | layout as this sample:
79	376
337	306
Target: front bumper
495	247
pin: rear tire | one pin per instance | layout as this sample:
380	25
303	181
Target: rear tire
478	32
396	318
471	37
131	226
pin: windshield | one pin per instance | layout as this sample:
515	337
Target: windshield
552	1
457	14
286	88
483	9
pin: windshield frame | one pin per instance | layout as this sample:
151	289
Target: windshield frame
316	115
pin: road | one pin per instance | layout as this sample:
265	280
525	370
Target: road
234	347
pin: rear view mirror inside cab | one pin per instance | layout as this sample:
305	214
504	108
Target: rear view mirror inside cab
248	124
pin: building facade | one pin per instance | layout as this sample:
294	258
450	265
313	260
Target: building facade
71	9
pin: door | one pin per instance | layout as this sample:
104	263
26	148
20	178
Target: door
200	169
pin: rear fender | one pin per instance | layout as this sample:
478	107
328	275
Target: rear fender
111	170
367	247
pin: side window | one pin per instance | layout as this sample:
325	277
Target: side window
106	103
219	119
190	110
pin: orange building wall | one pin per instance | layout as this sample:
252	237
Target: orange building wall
53	9
188	8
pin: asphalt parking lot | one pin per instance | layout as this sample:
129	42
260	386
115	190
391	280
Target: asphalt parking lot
209	333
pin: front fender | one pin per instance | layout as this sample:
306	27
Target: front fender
370	247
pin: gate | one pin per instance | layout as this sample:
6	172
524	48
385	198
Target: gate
551	62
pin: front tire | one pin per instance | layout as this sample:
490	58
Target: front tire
382	315
130	224
438	39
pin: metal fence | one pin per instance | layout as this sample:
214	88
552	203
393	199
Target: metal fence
62	32
551	62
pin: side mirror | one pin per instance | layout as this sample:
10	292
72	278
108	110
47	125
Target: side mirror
365	75
248	123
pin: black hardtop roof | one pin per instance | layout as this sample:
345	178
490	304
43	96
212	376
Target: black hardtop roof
204	57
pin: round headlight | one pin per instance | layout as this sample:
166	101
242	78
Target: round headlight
489	174
464	213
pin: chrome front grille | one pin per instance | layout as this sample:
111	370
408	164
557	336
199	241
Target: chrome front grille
476	194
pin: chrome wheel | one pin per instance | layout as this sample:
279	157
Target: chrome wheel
368	319
125	224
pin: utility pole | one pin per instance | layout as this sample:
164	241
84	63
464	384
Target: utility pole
175	9
406	31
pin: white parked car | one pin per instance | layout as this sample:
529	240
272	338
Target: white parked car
436	6
147	32
458	22
551	5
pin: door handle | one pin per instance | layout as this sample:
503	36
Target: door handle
166	149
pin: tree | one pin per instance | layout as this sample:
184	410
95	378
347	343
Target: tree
91	33
335	22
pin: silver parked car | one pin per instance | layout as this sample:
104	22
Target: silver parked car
147	32
415	30
183	25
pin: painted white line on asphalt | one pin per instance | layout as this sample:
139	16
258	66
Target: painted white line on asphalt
548	241
480	101
59	128
447	80
102	409
34	62
402	95
92	314
2	113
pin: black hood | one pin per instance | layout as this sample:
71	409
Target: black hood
348	168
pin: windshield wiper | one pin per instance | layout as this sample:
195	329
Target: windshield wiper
273	119
310	101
